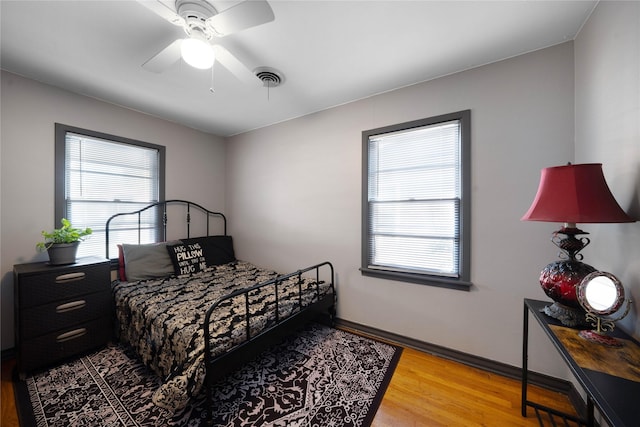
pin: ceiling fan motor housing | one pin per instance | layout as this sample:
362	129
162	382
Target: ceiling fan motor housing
195	14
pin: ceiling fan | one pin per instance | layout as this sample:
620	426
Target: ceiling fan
203	23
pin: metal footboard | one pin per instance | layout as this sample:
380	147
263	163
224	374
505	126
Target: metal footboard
219	365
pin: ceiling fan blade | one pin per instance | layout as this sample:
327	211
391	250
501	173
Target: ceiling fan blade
237	68
165	58
164	11
247	14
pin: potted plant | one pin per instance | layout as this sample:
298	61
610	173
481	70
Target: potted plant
62	243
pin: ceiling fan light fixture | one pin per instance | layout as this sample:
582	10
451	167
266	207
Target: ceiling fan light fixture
197	52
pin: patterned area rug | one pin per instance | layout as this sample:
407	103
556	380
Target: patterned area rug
318	377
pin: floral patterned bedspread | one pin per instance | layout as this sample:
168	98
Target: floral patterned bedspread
161	319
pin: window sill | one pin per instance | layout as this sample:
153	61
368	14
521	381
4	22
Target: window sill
422	279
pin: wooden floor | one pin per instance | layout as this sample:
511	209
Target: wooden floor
430	391
8	408
425	391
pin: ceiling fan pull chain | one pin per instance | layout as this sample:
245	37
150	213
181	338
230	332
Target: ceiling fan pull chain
211	86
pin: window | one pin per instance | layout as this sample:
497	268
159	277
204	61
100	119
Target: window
416	204
99	175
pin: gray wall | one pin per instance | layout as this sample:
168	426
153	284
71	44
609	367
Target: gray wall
195	165
607	81
294	198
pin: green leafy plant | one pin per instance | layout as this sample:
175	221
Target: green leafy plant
65	234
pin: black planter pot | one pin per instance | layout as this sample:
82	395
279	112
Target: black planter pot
63	253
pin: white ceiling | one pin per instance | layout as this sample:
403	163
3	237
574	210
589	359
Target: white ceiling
330	52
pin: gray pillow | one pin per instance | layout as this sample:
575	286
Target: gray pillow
142	262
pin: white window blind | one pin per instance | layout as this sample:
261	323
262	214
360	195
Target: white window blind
414	199
104	177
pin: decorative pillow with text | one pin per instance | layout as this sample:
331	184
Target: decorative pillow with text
187	258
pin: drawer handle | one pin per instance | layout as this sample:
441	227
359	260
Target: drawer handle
70	306
70	277
71	335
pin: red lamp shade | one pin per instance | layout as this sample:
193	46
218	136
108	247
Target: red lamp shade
575	194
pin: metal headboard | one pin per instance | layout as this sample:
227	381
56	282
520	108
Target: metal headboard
165	219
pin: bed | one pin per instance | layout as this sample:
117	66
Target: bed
190	310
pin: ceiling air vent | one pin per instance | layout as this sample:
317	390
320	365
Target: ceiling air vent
269	76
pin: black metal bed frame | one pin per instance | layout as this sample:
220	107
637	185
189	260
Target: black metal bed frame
162	225
217	367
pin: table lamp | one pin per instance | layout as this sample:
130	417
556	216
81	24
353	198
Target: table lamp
571	194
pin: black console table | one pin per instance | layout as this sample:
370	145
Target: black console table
612	386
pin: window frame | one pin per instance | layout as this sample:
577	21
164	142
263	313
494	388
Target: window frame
61	131
463	281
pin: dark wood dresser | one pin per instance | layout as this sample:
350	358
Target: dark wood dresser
60	311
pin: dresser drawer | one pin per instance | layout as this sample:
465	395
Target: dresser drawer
62	284
47	349
35	321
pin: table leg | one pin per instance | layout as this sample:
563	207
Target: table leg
525	357
590	417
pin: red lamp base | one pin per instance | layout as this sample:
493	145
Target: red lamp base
602	339
559	281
